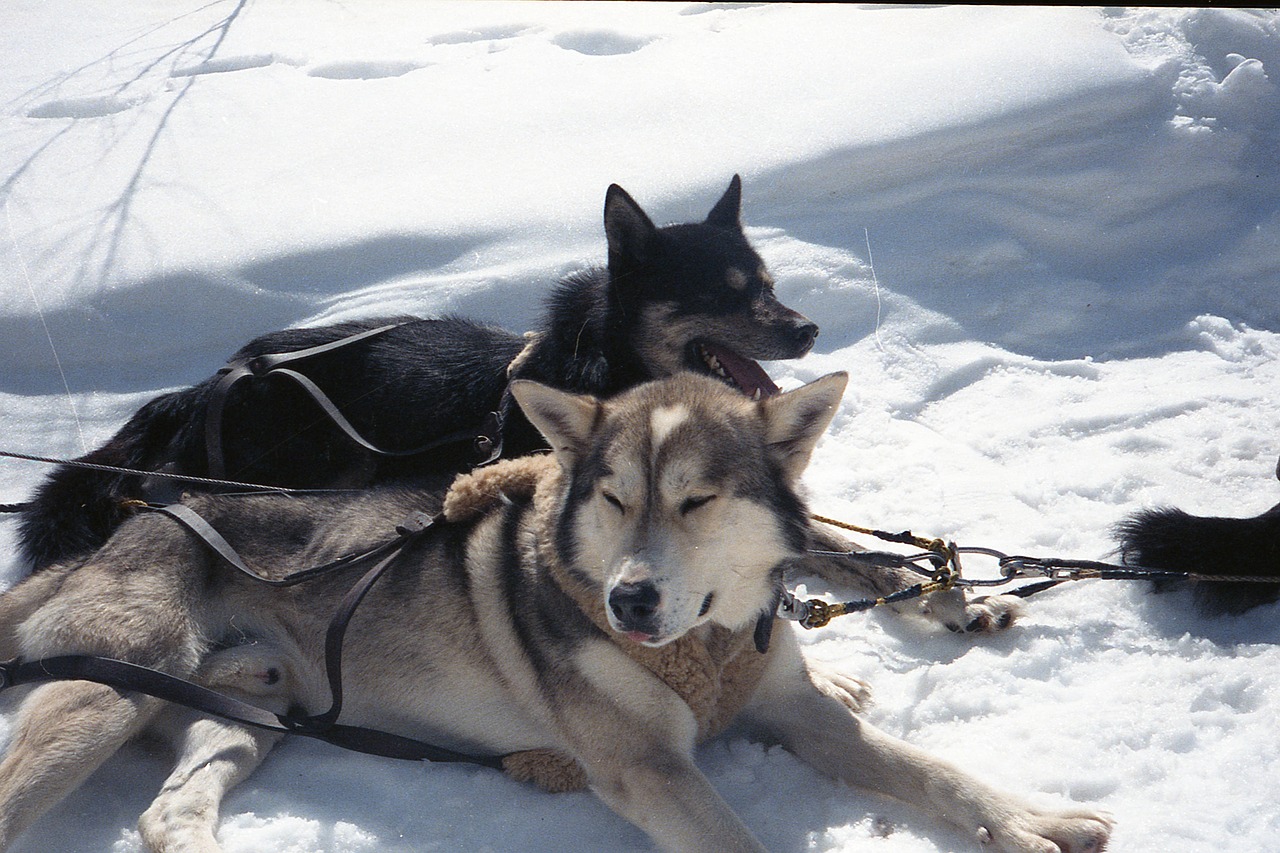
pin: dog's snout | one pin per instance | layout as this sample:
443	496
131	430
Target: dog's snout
634	605
806	332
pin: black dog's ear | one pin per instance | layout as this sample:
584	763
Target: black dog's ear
631	234
728	210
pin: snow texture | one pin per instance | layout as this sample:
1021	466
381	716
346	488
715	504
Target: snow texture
1045	242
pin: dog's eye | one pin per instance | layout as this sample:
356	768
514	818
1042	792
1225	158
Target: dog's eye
692	503
613	501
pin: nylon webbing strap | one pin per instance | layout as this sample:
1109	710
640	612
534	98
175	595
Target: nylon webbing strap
323	726
260	365
129	676
195	523
159	685
335	414
337	630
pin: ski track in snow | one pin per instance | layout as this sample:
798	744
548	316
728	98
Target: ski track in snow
1073	314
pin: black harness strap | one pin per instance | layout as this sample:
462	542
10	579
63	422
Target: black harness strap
130	676
417	525
152	682
273	364
323	726
206	532
259	366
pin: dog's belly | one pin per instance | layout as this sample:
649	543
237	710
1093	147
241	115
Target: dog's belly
424	675
450	703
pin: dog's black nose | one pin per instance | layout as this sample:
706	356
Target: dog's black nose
806	333
634	605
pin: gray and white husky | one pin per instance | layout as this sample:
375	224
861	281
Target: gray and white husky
589	615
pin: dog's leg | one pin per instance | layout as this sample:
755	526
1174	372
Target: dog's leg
21	601
794	706
634	738
952	608
663	793
63	733
213	756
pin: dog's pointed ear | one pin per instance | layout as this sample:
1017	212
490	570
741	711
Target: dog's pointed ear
565	420
728	210
631	234
794	421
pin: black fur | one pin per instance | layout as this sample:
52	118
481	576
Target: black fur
1173	540
428	378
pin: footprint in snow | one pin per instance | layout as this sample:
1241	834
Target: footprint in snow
357	70
91	106
599	42
496	33
226	65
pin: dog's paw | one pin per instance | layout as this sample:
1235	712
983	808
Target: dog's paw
1080	831
257	669
984	614
854	693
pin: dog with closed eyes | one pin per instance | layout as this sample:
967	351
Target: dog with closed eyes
587	616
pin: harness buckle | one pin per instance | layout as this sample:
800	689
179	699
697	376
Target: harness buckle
416	523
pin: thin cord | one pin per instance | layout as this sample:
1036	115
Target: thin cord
26	275
876	282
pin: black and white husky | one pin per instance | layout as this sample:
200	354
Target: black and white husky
683	297
588	616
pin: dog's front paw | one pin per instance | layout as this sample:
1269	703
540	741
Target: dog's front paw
984	614
1082	831
854	693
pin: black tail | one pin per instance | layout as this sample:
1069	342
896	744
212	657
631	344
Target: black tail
1173	540
75	510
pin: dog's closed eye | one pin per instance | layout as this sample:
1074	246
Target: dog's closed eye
613	501
694	502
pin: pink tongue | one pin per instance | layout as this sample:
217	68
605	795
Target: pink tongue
749	375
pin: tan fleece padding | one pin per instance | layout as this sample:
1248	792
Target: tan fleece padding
714	674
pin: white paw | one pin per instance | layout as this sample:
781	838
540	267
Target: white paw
1081	831
854	693
256	669
984	614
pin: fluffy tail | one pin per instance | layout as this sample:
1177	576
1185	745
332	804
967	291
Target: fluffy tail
1173	540
75	510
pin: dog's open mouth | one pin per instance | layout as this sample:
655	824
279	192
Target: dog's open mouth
739	371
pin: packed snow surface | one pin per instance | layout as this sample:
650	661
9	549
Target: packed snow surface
1044	242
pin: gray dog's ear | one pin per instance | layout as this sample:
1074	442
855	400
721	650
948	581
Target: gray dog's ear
565	420
794	421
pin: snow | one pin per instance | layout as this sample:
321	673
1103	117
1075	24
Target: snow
1044	241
